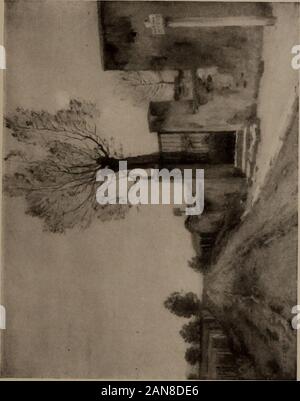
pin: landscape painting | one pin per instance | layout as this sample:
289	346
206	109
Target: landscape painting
102	286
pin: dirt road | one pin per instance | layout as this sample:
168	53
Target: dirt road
253	285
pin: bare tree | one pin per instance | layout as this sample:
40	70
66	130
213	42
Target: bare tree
143	86
55	167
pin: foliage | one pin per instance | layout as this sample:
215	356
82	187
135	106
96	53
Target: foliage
56	165
192	355
190	332
198	264
183	305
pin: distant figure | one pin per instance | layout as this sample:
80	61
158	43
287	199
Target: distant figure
213	80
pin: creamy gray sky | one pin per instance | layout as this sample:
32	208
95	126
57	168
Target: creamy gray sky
88	304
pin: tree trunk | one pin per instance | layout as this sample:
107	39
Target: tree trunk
151	160
154	160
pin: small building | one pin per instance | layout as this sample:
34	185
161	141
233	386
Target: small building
156	35
215	49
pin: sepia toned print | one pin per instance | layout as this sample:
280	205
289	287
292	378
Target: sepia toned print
99	285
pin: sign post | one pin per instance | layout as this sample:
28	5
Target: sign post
156	23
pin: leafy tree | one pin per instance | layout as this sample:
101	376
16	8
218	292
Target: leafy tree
143	86
198	264
190	332
183	305
192	355
55	161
